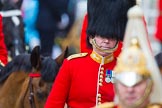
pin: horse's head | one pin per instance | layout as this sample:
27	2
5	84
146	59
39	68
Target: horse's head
44	72
26	80
13	27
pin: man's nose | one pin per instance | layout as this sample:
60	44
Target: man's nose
130	89
107	40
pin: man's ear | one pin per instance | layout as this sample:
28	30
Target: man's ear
90	40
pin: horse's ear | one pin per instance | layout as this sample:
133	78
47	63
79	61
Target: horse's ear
19	3
1	4
35	57
62	56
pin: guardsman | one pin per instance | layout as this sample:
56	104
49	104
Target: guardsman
86	79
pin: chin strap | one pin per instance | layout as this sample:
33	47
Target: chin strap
111	50
146	94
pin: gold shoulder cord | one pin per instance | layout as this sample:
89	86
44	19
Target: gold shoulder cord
155	105
77	56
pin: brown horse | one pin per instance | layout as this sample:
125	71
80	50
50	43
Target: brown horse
26	80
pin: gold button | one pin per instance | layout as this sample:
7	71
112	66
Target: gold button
101	72
99	95
100	80
102	68
99	103
101	76
100	84
99	98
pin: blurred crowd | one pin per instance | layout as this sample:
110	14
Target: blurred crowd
46	20
54	18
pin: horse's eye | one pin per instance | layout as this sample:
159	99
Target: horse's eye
41	83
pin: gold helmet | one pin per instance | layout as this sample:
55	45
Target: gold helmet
136	61
132	65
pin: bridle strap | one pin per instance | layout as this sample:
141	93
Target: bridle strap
24	90
31	91
103	50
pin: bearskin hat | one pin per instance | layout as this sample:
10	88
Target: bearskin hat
108	18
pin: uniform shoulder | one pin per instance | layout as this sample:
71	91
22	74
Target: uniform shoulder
77	55
106	105
155	105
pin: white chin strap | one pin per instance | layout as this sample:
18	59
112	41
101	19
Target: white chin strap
111	50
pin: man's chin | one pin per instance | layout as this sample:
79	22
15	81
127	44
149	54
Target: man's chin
104	53
105	48
129	102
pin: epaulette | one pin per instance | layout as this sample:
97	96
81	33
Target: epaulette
155	105
106	105
76	55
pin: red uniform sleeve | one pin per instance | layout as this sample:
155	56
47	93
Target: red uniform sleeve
3	49
83	43
60	89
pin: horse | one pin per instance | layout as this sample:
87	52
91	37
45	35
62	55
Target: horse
26	80
13	27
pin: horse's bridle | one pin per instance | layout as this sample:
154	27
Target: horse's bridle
31	91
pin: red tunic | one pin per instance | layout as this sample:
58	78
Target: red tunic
3	49
81	83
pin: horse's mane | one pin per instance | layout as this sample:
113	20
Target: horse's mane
22	63
18	63
49	69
